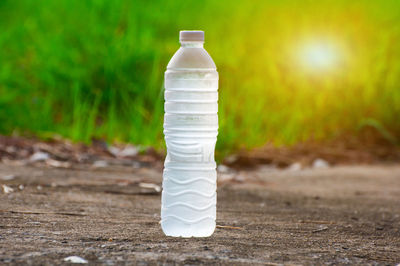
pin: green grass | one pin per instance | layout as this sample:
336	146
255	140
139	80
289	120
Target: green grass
85	69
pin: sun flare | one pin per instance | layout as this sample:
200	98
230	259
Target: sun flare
319	56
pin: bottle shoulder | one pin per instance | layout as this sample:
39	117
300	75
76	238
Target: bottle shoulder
191	58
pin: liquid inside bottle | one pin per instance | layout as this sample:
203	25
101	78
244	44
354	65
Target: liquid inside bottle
188	207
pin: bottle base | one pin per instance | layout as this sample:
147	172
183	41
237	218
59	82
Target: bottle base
176	228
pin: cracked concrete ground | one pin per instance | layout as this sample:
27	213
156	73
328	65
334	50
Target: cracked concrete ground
338	215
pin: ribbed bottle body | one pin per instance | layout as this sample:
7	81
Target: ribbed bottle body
188	205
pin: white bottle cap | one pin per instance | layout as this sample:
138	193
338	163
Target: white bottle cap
191	36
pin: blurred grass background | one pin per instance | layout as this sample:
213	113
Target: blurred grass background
94	69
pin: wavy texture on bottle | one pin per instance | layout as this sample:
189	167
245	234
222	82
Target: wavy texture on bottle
192	192
188	221
201	179
206	207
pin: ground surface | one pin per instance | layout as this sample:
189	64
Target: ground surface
339	215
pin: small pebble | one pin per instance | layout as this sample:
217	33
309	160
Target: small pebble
295	167
7	189
129	151
75	259
222	168
320	163
100	164
39	156
157	188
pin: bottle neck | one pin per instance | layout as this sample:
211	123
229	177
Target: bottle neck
192	44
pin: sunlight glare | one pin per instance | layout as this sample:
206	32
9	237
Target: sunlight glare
318	56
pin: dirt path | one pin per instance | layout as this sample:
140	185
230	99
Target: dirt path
341	215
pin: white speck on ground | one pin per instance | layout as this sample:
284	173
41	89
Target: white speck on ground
295	167
39	156
75	259
129	151
223	168
320	163
157	188
100	164
7	189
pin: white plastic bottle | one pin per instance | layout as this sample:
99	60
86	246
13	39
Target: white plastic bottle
189	198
